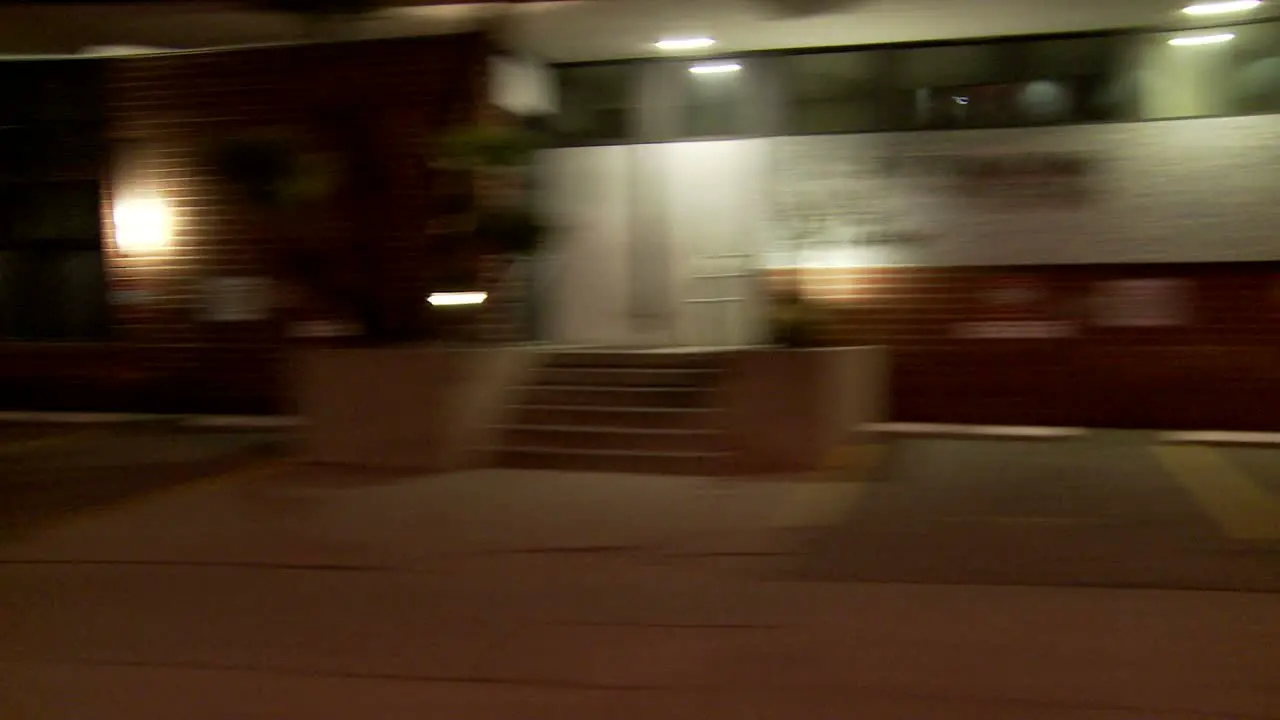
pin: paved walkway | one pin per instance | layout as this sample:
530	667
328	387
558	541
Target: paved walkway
273	591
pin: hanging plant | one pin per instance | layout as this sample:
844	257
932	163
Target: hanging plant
498	159
477	147
273	171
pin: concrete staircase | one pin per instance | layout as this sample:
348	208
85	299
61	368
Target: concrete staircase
626	411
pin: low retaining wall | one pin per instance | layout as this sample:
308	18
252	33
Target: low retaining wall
788	409
426	409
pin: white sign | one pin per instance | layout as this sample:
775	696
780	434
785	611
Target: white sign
1160	302
237	299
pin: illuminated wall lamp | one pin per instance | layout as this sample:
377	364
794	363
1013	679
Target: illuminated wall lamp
716	69
143	225
675	44
447	299
1202	40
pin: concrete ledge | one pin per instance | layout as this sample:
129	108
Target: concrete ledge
244	421
997	432
225	421
79	418
1217	437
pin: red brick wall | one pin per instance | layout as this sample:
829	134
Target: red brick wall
165	115
1222	370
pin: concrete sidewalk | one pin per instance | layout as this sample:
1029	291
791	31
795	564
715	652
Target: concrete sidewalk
286	592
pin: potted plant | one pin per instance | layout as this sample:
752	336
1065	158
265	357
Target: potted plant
498	160
794	321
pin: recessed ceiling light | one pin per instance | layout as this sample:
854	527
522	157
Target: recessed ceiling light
1202	39
694	43
1221	8
716	69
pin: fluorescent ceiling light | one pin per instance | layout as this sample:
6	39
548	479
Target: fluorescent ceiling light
715	69
1221	8
1202	39
457	298
696	43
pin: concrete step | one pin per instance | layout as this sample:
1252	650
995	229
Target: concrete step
671	360
625	397
625	377
614	417
610	438
613	461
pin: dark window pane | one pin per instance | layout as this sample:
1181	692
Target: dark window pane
62	212
1255	74
715	103
835	92
956	86
1073	80
53	295
597	102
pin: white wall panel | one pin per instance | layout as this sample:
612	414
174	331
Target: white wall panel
588	206
715	201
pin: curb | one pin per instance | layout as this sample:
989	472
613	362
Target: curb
210	421
1216	437
977	432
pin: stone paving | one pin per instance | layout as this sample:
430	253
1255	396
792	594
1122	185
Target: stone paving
265	589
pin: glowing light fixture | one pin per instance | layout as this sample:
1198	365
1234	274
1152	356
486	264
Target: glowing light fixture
695	43
717	69
143	225
442	299
1202	39
1221	8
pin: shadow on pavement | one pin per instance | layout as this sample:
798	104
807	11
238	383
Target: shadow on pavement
47	475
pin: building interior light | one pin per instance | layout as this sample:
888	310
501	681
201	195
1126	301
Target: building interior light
717	69
1202	39
695	43
143	225
444	299
1221	8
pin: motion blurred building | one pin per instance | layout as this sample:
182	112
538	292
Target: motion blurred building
1052	213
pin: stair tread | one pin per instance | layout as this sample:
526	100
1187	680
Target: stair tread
612	453
610	408
606	388
599	429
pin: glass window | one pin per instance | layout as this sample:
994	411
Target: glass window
835	92
1014	83
715	100
957	86
52	294
597	102
1072	80
1255	69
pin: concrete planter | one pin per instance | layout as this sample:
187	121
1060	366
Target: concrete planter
426	408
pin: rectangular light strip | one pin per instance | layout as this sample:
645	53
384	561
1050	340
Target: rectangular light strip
1221	8
716	69
441	299
696	43
1202	39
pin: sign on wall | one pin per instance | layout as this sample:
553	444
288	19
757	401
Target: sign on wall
1078	194
1155	302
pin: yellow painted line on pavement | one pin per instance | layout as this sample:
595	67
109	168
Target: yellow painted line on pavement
1242	509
